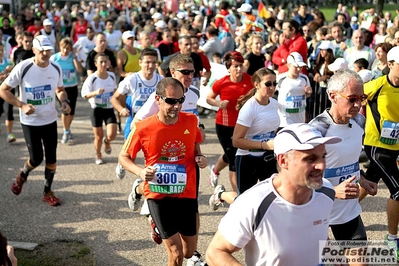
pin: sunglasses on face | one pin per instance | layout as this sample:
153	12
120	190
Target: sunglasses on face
269	84
173	101
186	72
353	99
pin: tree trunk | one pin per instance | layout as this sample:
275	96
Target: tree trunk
379	6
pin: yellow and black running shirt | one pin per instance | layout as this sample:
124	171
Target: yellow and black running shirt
382	114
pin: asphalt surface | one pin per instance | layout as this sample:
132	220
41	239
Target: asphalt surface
94	202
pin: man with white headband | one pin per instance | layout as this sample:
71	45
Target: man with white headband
261	220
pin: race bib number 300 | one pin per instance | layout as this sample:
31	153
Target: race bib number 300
40	95
169	179
389	133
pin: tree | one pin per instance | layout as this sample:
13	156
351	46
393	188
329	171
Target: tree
379	7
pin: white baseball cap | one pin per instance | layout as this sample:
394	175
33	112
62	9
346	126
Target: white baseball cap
300	137
365	74
325	45
157	16
245	8
160	24
47	22
296	59
339	63
354	19
127	34
42	43
393	54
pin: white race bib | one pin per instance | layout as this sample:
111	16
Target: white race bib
389	133
40	95
169	179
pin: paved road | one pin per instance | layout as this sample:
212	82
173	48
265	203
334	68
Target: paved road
94	208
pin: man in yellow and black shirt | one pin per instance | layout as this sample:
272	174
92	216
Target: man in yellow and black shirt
381	141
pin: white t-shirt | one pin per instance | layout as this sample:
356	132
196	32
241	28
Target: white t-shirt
93	83
138	89
339	166
292	99
114	39
190	104
84	46
351	55
39	92
262	122
287	234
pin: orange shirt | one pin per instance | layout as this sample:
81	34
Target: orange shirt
231	91
169	148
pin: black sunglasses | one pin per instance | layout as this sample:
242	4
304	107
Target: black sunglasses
173	101
269	84
186	72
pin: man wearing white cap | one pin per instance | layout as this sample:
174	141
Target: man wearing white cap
381	141
38	113
50	34
293	89
260	220
128	58
156	17
345	91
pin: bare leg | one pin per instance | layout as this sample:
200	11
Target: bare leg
393	216
98	139
9	125
228	196
220	164
233	180
67	121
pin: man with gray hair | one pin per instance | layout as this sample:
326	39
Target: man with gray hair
260	220
345	91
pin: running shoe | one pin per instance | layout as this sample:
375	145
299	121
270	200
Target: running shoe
214	200
213	178
16	186
144	209
65	137
393	244
107	146
120	171
134	199
156	237
10	138
70	136
196	260
51	199
99	160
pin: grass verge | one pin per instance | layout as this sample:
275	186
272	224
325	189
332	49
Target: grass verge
57	253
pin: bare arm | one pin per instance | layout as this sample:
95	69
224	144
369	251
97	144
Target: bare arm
120	61
211	99
73	30
246	65
239	140
6	95
63	97
220	252
129	164
161	72
115	101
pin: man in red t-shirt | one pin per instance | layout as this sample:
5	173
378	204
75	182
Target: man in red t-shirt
294	42
170	168
37	26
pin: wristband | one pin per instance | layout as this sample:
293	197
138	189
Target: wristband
66	101
201	126
200	155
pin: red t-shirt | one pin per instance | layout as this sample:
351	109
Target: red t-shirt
205	62
220	21
231	91
32	29
169	148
